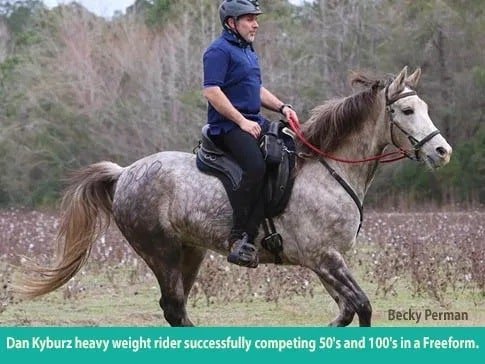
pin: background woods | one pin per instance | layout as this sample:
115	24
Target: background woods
76	88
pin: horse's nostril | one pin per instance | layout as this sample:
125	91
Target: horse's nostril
441	151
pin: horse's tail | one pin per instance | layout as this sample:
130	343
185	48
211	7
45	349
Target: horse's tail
86	211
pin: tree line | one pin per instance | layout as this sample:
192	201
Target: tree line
76	88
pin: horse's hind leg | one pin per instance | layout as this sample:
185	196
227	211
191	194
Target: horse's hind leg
176	277
338	281
165	263
175	268
192	259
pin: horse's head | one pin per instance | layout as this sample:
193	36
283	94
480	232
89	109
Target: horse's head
411	127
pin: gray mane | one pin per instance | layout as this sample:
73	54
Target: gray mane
336	119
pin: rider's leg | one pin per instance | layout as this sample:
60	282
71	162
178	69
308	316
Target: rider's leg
247	200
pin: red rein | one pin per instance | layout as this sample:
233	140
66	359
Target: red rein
295	126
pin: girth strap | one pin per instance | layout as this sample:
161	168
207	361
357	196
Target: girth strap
347	188
272	241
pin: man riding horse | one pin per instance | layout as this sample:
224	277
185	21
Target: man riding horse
235	94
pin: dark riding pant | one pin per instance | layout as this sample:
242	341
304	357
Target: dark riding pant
248	201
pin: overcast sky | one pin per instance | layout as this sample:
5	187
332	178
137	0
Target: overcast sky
106	8
100	7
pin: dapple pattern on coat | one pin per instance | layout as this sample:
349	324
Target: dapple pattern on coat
172	214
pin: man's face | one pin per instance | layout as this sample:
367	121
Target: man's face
246	25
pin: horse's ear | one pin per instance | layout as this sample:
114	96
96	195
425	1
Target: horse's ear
398	84
412	81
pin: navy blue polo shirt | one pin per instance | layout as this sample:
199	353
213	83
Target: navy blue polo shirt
234	67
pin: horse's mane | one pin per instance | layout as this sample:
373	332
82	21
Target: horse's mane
337	118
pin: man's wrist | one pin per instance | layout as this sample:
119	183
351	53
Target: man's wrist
282	108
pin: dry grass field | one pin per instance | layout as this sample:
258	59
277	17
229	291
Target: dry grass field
428	262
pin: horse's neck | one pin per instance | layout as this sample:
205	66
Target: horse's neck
368	142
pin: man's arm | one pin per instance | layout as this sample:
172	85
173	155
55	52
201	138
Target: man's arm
221	103
271	102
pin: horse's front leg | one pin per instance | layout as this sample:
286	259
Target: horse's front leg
340	284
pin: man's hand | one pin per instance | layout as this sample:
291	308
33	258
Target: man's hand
222	104
289	113
251	127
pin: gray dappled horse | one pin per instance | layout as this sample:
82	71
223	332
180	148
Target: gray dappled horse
171	213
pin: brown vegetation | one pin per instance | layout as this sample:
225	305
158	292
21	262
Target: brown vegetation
438	255
76	88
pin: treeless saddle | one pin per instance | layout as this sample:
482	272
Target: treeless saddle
278	149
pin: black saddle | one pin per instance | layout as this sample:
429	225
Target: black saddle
279	174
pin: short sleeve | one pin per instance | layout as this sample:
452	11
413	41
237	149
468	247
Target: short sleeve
216	63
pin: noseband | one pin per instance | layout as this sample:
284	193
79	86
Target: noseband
417	144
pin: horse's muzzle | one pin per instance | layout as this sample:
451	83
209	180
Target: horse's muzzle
438	157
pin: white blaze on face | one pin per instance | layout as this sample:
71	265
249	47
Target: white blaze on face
410	113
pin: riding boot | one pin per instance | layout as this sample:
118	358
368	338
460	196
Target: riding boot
243	252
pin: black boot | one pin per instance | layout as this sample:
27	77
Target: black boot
243	252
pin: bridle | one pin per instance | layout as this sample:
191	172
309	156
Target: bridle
385	157
416	144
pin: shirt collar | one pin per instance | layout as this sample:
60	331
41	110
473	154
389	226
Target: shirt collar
231	37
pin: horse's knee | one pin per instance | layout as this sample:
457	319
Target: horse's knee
174	312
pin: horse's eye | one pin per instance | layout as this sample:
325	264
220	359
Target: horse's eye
408	111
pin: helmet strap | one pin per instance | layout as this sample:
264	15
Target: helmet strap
242	42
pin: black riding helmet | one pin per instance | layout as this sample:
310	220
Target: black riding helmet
236	8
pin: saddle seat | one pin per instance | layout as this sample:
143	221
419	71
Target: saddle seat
214	161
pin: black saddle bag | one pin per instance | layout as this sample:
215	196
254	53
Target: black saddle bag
272	146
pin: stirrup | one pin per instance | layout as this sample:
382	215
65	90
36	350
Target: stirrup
243	253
